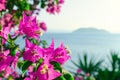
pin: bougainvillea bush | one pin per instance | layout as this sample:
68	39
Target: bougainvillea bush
35	61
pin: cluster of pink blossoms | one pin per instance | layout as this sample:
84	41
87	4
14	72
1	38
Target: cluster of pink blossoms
54	9
2	5
6	23
8	64
34	53
82	76
46	70
41	59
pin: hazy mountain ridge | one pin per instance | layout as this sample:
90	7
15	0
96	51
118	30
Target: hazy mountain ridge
90	31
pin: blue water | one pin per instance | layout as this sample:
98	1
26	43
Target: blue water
96	46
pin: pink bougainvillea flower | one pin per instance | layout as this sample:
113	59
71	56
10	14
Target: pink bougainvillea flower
60	54
49	51
6	21
2	5
2	1
28	26
5	60
28	78
2	22
1	78
4	33
14	74
87	74
79	71
30	68
28	12
7	17
58	8
81	78
33	52
43	26
78	78
61	1
46	71
51	9
7	72
15	60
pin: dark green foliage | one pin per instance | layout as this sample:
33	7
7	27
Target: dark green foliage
25	65
114	72
10	5
88	66
43	5
11	45
34	41
57	66
56	1
0	27
13	50
114	61
23	5
44	43
99	73
60	78
68	76
65	76
19	64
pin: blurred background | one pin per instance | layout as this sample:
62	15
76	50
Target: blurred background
91	30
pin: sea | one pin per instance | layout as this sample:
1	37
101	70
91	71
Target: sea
96	46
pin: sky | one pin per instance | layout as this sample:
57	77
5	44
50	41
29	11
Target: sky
75	14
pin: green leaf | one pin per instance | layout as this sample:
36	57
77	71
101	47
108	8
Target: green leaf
61	78
19	64
41	60
10	5
57	66
44	43
0	27
13	50
68	76
25	66
23	5
14	38
56	1
34	41
43	5
38	64
10	78
9	38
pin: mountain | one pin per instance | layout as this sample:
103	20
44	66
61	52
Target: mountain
90	31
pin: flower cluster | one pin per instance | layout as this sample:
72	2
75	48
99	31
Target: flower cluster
56	8
45	70
7	65
81	75
2	5
41	59
35	61
29	27
34	53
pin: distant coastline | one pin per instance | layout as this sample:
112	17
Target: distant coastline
82	31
